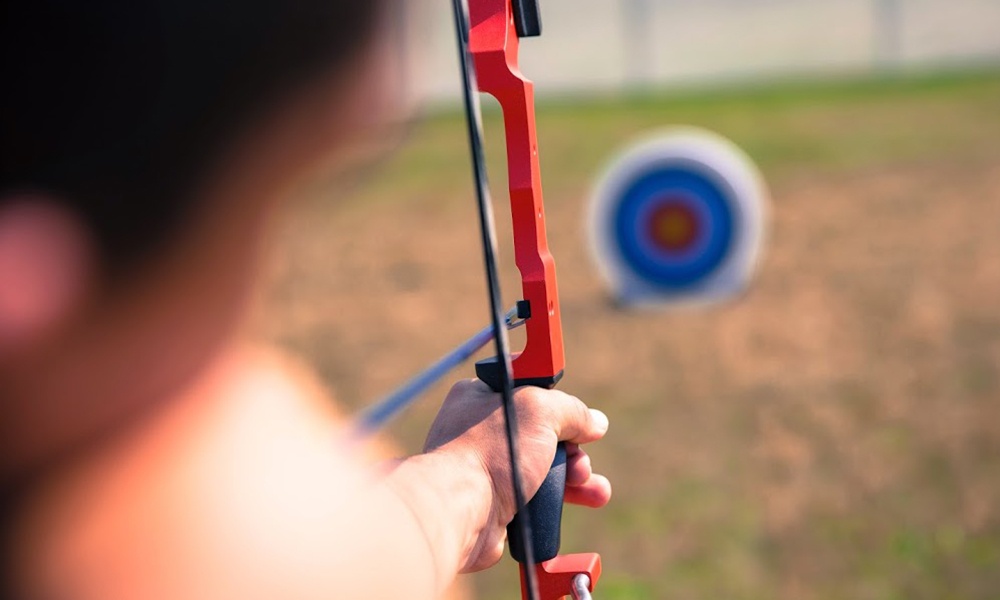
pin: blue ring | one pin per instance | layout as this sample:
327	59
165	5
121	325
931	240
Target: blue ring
672	269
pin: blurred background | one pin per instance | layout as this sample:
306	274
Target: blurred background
591	46
834	433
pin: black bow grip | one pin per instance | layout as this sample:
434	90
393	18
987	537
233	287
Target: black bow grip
545	508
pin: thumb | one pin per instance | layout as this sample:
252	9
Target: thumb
570	417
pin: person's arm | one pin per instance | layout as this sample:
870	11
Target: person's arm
245	489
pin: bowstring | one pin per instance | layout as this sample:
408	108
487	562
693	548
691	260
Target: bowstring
488	236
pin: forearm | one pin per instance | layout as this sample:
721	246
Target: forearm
449	498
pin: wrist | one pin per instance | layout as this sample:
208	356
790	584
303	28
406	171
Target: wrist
450	496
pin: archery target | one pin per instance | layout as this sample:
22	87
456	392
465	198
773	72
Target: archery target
678	218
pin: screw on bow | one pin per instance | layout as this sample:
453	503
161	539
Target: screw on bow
488	35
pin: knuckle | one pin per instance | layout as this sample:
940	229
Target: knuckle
464	385
495	556
528	397
530	394
582	411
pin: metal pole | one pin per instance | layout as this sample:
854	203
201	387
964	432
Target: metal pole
637	32
887	33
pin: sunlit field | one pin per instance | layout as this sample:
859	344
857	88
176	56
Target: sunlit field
834	433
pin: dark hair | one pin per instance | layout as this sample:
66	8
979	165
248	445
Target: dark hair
120	107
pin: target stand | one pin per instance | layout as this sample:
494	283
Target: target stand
678	219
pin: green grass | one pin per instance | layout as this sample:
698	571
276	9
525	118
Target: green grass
786	127
834	434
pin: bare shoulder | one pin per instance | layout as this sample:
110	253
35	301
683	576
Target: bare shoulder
241	487
247	467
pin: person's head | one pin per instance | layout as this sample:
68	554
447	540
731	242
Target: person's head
142	143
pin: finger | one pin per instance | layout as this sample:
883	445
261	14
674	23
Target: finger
595	493
578	467
583	425
573	421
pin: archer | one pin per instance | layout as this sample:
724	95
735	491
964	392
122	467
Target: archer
148	450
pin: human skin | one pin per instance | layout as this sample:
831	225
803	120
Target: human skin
243	486
167	458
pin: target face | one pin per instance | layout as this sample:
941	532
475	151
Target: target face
678	218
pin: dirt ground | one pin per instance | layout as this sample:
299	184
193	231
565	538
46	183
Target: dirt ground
835	433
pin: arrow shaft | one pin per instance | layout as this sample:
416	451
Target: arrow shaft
383	411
